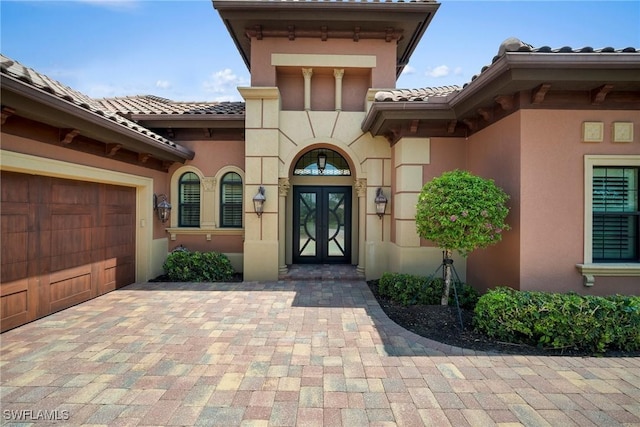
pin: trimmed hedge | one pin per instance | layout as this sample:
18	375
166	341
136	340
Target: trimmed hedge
560	321
186	266
408	289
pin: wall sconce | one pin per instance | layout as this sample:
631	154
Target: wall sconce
381	203
322	161
258	201
162	208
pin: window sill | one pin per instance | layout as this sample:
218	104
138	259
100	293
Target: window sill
589	271
207	232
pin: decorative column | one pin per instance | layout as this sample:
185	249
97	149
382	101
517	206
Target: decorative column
307	73
361	190
283	191
208	219
337	74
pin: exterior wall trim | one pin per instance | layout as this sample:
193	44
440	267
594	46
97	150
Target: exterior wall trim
588	269
319	60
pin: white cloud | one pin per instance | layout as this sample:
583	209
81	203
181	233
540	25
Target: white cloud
408	69
223	85
439	71
163	84
457	71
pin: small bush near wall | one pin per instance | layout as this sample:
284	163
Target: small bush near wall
185	266
408	289
560	321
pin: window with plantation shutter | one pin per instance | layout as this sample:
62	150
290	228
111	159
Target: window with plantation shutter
231	200
616	215
189	205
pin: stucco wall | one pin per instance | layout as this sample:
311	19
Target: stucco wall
552	242
212	160
494	153
264	74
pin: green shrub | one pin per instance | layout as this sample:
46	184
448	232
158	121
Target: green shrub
408	289
185	266
560	321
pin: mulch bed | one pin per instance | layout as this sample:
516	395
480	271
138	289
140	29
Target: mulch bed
442	324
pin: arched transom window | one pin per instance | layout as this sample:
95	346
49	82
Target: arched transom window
322	162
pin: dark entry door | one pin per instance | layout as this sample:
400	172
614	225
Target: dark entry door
321	225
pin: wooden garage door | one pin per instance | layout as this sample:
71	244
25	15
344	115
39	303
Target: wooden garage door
63	242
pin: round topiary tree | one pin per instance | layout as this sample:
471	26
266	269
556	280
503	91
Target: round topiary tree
461	212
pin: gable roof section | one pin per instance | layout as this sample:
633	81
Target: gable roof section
32	95
157	112
520	76
403	22
151	104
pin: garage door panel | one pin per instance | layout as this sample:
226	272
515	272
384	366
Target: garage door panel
15	308
67	192
70	287
15	189
15	247
64	242
71	242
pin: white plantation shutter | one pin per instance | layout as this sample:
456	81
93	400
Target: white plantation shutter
189	214
615	214
231	200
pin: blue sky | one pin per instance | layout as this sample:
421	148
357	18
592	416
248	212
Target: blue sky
182	51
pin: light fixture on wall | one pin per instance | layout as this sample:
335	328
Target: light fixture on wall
162	207
381	203
258	201
322	161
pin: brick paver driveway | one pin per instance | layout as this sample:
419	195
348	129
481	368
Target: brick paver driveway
285	353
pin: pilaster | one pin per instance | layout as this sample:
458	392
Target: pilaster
261	245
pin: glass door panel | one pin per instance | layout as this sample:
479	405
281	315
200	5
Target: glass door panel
322	224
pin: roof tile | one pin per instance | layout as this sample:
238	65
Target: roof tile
151	104
509	45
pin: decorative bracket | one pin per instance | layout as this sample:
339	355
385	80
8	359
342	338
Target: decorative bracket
599	94
472	124
485	113
69	136
538	94
507	102
414	126
6	113
112	149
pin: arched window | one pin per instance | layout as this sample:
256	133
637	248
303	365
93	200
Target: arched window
231	200
189	209
322	162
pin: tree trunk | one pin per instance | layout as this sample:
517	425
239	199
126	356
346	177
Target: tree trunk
447	277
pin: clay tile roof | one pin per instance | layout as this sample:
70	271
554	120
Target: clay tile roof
513	44
151	104
15	70
424	94
509	45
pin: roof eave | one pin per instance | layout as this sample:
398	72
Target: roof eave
406	12
545	66
26	96
383	111
185	121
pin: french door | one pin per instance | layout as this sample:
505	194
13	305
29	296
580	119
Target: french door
321	225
